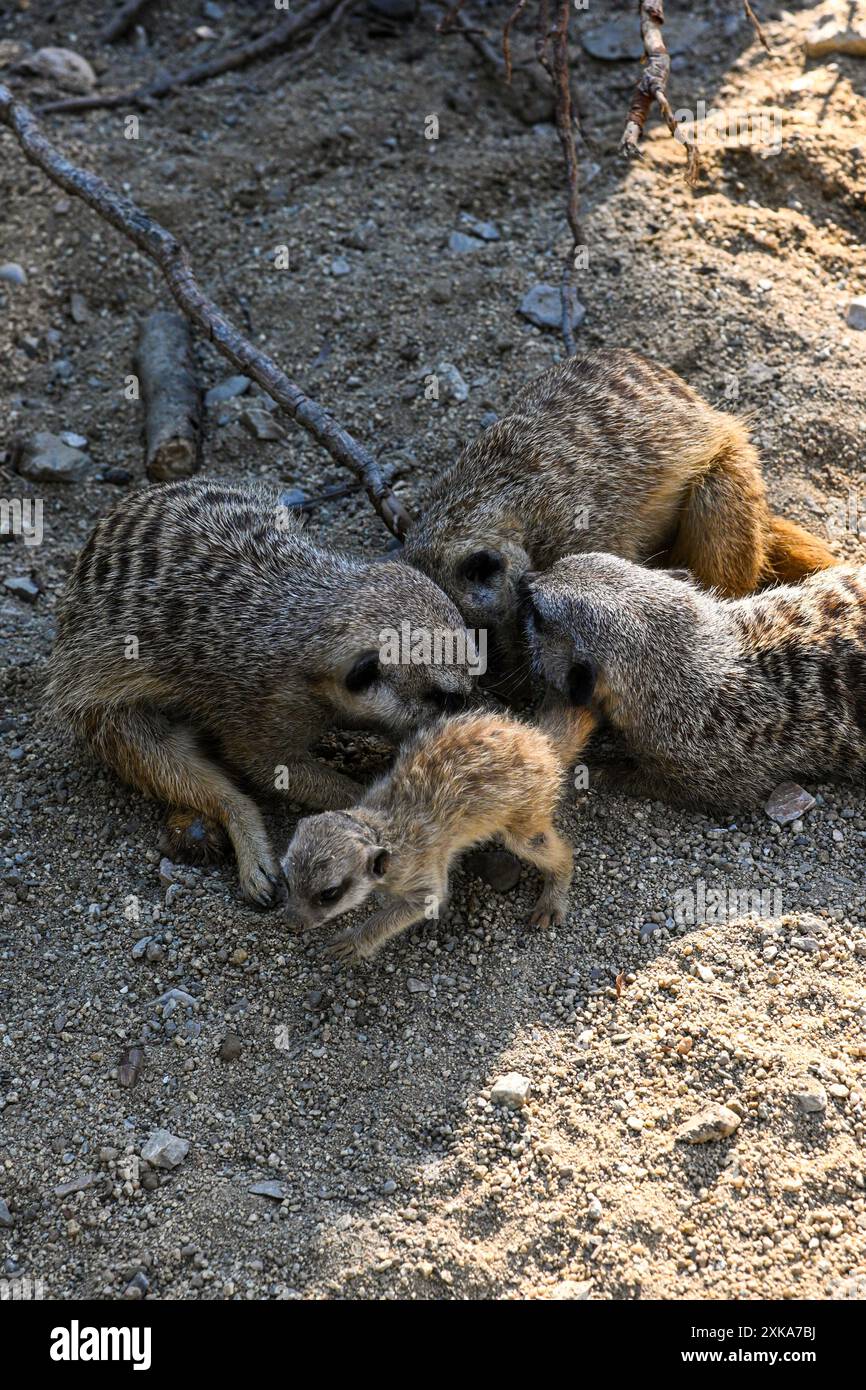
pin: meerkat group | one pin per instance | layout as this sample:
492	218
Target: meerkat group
205	645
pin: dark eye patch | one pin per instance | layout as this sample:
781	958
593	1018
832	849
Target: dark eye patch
582	676
364	673
449	701
481	565
330	895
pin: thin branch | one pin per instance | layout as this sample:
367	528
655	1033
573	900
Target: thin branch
161	247
652	86
506	35
565	130
280	36
756	23
122	20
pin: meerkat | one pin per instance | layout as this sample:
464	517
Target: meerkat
198	617
465	780
718	700
608	452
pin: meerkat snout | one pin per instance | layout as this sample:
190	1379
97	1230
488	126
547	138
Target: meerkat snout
333	864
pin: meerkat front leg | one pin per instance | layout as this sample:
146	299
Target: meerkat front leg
555	858
296	776
360	943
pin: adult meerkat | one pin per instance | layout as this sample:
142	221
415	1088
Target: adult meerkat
718	699
465	780
606	452
198	614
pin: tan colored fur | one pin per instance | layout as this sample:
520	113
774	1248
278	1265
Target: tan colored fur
458	784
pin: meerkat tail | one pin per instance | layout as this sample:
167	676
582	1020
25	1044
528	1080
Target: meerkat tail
568	728
721	535
163	760
794	552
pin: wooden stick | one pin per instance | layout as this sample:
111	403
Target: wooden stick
276	38
651	87
756	24
122	20
161	247
172	398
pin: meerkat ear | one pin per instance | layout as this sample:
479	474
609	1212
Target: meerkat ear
363	672
378	863
685	576
582	676
481	565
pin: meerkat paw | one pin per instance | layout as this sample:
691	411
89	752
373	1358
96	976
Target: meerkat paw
260	880
344	949
547	913
190	838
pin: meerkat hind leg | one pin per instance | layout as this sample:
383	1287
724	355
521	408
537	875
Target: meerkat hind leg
163	760
547	851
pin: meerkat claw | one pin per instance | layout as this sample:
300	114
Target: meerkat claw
543	915
343	949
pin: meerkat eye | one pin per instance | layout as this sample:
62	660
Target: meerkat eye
481	565
449	701
363	673
330	895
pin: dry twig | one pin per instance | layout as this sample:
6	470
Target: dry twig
653	87
280	36
756	23
161	247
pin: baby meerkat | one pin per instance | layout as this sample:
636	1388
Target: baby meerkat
718	699
463	781
608	452
198	617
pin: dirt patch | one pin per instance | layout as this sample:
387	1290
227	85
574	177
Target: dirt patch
365	1097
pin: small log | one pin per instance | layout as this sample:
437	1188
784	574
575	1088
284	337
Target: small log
172	398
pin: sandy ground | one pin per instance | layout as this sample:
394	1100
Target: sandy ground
363	1099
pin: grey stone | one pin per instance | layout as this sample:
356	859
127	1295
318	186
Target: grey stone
619	40
13	273
831	37
460	243
511	1090
260	424
485	230
542	305
164	1150
231	1047
856	316
575	1290
227	390
63	67
451	383
810	1096
340	266
270	1188
28	590
5	1214
140	947
788	801
73	440
46	459
713	1122
362	235
80	1184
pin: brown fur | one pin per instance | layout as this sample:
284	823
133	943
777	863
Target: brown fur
624	445
464	781
249	640
717	700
